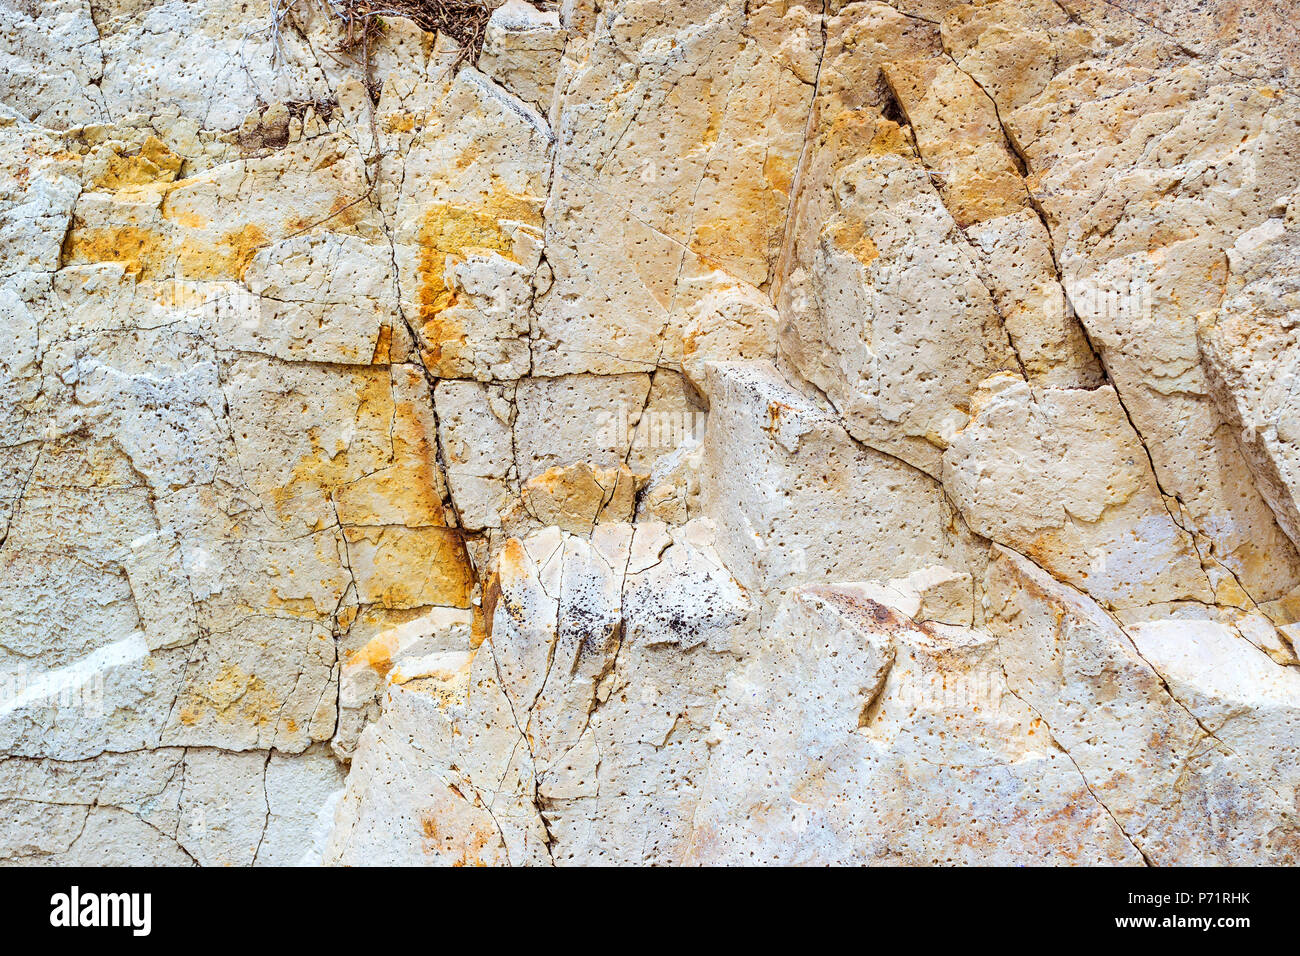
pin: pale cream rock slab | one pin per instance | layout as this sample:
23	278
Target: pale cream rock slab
321	297
446	776
32	604
857	737
739	208
1251	703
236	561
117	808
1256	41
111	837
675	415
115	698
672	491
154	394
1251	351
475	431
475	134
1086	112
1150	346
209	60
299	791
573	418
41	185
1131	122
796	500
164	808
51	63
404	805
268	682
586	583
82	501
932	595
677	133
101	687
92	298
406	96
894	323
944	595
16	464
1059	476
36	833
1277	642
1182	792
522	47
240	569
491	302
160	588
223	806
402	55
574	331
732	322
268	599
20	371
845	124
482	733
1015	257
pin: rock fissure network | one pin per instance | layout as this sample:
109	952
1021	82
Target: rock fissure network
727	431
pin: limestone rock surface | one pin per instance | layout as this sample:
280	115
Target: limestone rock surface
698	433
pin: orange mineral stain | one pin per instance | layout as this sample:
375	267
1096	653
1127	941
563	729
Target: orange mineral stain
447	235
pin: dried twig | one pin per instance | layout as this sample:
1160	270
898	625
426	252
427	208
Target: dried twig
464	21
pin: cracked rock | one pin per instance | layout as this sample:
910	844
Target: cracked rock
731	431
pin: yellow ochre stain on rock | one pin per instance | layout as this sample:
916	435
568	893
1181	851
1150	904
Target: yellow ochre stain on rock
154	165
376	655
233	696
400	488
451	231
141	251
848	235
146	253
399	123
326	470
227	259
778	172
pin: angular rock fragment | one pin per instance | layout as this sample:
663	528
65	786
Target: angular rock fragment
1060	477
857	736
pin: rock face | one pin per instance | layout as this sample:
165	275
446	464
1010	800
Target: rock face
728	431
